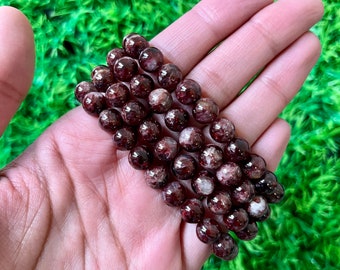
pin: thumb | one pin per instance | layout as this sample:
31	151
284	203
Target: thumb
17	58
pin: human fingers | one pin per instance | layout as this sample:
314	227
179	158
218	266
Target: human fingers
255	109
227	69
17	62
191	37
246	51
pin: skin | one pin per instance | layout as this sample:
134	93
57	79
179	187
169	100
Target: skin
66	204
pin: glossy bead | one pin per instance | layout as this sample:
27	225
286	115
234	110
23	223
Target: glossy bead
151	59
133	113
192	210
208	230
160	100
156	177
191	139
258	208
225	248
205	111
150	130
176	119
125	138
113	55
174	194
110	120
133	44
229	174
102	78
243	193
249	232
94	102
141	85
222	130
188	91
140	157
169	76
255	167
166	149
184	167
117	95
236	220
125	68
219	202
203	184
211	157
237	150
82	89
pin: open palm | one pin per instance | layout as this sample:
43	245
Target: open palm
72	201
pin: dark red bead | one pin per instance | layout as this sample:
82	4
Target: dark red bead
225	248
188	91
192	210
82	89
169	76
174	194
134	44
140	157
184	167
117	95
94	102
110	120
151	59
205	111
208	230
222	130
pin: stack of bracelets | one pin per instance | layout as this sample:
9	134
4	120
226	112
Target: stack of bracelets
176	136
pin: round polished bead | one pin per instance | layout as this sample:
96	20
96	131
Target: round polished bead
141	85
188	91
133	112
192	210
225	248
205	111
117	95
208	230
160	100
184	167
140	157
110	120
113	55
229	174
169	76
255	167
151	59
174	194
211	157
166	149
191	139
82	89
156	177
125	68
203	184
133	44
222	130
176	119
125	138
150	130
102	77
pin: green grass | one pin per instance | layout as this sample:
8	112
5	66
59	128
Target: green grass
72	36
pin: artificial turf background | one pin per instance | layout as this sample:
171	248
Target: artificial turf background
72	36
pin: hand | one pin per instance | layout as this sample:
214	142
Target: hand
72	201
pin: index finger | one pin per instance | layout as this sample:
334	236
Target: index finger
191	37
